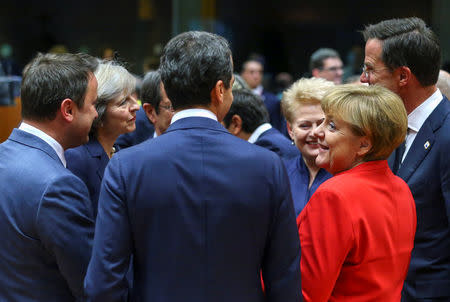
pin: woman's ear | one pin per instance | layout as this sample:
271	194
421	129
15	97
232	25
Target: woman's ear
289	129
365	146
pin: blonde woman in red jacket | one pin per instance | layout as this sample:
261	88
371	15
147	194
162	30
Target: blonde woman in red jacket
357	231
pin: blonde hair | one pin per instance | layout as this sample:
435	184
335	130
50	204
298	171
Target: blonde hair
303	91
372	111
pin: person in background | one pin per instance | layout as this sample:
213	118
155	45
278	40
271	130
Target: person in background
173	202
404	55
357	231
301	107
326	63
248	119
46	217
252	72
116	109
154	117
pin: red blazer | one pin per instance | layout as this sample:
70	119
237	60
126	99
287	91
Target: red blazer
356	236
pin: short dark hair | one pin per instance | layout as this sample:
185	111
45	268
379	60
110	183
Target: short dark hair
317	57
151	89
191	65
250	108
408	42
50	78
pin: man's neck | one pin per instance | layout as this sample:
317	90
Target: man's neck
49	127
412	98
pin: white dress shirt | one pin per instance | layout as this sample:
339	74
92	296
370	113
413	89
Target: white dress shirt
193	112
418	116
258	131
46	138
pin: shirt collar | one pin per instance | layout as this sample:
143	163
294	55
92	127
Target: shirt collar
258	90
193	112
46	138
258	131
418	116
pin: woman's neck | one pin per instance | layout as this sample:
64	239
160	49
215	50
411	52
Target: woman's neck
313	169
107	142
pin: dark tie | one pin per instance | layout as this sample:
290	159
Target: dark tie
398	157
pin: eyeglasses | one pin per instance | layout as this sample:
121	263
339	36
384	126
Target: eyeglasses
369	70
333	69
167	107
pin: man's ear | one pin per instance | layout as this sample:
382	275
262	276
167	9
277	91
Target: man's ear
217	93
150	112
315	72
235	125
68	109
364	147
404	75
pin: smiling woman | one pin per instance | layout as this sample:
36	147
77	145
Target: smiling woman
360	224
116	106
301	107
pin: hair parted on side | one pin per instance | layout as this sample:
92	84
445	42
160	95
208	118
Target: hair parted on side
408	42
48	79
303	91
151	89
191	65
114	81
372	111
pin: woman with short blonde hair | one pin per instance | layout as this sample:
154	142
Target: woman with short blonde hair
357	231
301	107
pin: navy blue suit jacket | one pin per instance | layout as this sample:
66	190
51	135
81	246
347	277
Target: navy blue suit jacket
298	174
46	223
426	170
144	130
88	162
204	213
273	140
273	106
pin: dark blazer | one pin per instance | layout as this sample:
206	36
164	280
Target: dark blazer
273	106
273	140
204	213
144	130
46	223
426	169
88	162
298	174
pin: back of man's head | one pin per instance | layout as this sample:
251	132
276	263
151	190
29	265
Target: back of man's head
191	65
51	78
250	108
408	42
319	56
150	89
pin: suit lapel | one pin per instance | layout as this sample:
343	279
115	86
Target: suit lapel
96	151
424	141
420	147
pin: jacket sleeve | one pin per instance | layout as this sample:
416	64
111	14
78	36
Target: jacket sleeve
281	263
65	226
105	279
326	237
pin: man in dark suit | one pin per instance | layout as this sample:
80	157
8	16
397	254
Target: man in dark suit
404	55
46	217
202	211
154	116
252	72
248	119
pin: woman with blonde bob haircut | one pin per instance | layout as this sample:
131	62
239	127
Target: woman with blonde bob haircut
357	231
301	107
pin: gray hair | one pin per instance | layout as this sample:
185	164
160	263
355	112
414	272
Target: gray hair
113	81
317	58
